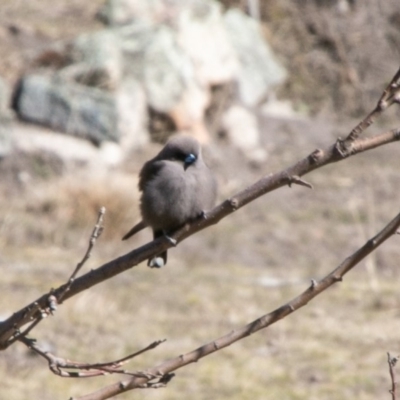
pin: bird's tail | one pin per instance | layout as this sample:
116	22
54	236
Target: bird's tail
138	227
158	261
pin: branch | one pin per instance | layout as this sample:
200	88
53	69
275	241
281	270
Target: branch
312	291
59	366
392	361
336	152
389	96
37	311
97	231
317	159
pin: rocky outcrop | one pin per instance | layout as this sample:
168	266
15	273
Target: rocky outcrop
156	57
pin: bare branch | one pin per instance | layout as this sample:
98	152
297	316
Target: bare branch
97	231
60	366
317	159
37	311
311	292
389	96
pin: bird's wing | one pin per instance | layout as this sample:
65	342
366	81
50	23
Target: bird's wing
148	172
138	227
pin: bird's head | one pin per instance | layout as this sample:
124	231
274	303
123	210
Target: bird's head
183	149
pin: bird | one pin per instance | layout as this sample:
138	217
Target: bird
177	187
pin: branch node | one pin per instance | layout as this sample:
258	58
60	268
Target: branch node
342	149
315	156
123	385
314	284
298	181
234	203
392	362
52	302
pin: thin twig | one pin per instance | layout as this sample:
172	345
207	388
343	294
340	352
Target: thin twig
390	95
36	311
97	231
392	362
60	366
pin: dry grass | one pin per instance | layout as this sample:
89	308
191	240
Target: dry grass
229	274
220	279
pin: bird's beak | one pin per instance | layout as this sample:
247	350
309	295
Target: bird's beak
189	160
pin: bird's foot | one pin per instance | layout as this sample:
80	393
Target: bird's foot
171	240
203	214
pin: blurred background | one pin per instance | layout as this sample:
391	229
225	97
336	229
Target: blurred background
91	90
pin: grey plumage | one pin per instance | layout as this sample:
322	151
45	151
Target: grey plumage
177	186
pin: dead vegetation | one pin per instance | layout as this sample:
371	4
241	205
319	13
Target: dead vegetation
248	286
219	279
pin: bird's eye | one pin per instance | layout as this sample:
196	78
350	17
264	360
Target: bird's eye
190	159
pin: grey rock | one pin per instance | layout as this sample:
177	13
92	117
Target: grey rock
203	37
259	69
6	144
69	107
132	121
33	139
154	57
120	12
83	111
5	99
241	127
97	60
162	55
169	76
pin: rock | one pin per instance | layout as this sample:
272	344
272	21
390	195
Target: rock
69	107
158	55
5	99
203	37
154	57
168	74
241	127
121	12
79	110
97	60
280	109
259	70
5	137
132	121
33	139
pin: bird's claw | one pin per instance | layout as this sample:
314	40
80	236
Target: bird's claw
171	240
203	215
